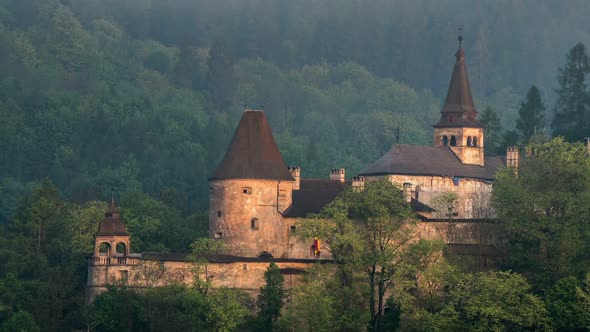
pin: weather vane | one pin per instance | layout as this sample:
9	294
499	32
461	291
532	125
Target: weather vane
460	34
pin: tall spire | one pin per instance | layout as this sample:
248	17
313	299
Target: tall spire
459	110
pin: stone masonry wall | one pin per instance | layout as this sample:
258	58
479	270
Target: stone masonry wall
245	216
474	195
247	276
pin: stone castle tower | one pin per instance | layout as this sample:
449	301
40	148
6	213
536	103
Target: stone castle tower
249	191
111	261
458	127
112	240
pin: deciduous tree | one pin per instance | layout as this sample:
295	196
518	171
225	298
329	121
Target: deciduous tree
270	299
370	232
544	212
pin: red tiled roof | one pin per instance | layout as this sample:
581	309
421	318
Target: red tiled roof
112	223
252	153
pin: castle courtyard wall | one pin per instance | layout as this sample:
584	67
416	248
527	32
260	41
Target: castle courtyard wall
245	275
248	273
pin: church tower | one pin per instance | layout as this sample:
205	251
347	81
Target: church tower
249	191
458	127
112	240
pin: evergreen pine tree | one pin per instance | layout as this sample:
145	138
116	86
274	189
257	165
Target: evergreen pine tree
489	119
531	115
572	109
270	300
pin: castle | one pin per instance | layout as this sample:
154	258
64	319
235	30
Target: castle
256	201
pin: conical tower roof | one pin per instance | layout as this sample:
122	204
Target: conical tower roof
252	153
112	223
459	110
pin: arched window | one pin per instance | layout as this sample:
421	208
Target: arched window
468	140
121	249
453	141
445	140
474	141
104	249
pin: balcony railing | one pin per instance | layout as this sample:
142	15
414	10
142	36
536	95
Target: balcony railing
105	260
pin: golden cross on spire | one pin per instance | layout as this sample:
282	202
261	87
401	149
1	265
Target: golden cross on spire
460	34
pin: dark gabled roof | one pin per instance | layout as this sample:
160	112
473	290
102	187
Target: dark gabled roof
418	206
252	153
459	110
313	195
112	223
431	160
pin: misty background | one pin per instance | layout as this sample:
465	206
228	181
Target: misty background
139	96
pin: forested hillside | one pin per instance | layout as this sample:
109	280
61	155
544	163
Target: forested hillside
142	95
139	98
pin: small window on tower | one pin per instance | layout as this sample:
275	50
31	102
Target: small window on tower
453	141
468	140
474	141
219	214
218	235
293	229
445	140
254	223
247	190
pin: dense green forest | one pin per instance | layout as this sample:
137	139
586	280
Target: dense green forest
141	97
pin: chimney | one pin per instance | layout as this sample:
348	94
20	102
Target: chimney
587	143
337	174
358	183
296	174
408	192
512	158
